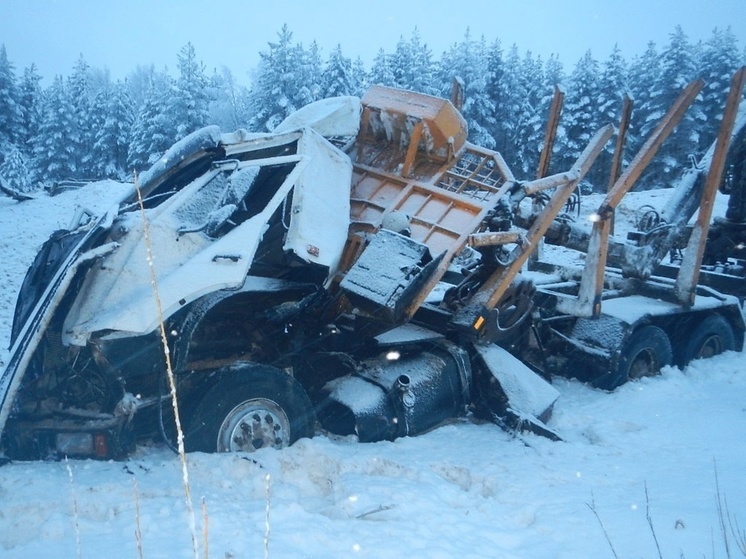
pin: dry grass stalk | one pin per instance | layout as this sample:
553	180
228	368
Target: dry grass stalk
266	519
170	374
138	532
76	524
205	530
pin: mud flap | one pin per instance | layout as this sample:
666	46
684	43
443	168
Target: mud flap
529	397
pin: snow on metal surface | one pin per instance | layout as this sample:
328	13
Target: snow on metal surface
527	392
383	268
321	203
201	139
604	331
118	294
407	333
336	116
632	308
359	395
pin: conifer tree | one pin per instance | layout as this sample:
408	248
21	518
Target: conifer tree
677	70
188	102
113	133
80	94
337	78
15	169
278	82
644	84
531	132
719	61
381	72
228	107
581	109
495	91
311	75
30	99
10	109
612	89
54	146
520	113
412	65
359	77
152	132
468	62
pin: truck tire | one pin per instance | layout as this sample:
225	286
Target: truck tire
646	351
250	407
712	336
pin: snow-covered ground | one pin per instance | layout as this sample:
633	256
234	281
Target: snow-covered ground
653	453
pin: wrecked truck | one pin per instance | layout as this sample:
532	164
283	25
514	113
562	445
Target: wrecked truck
360	271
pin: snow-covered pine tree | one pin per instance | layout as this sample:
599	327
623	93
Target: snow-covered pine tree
644	84
112	136
97	115
468	61
311	75
139	82
15	169
228	107
152	132
612	88
337	77
54	146
278	80
359	77
495	91
423	67
30	100
381	72
401	63
581	112
412	65
81	95
677	69
188	102
518	113
10	109
532	131
719	61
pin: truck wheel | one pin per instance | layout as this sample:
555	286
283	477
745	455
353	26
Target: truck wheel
250	408
712	336
646	351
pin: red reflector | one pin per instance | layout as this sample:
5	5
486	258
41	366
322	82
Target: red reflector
101	445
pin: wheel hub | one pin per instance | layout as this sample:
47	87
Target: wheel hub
252	425
644	365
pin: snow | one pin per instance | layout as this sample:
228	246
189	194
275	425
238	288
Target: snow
335	116
462	490
527	392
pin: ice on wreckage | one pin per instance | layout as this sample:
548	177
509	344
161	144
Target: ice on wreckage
208	137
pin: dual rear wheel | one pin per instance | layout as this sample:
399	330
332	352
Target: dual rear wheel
649	349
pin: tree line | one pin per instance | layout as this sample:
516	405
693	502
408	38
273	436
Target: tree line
86	126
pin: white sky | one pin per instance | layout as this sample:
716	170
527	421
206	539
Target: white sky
122	34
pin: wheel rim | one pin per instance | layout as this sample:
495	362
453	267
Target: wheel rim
645	364
712	345
254	424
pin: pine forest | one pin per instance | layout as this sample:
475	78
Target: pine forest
87	127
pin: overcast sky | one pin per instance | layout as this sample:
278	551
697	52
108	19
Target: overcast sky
122	34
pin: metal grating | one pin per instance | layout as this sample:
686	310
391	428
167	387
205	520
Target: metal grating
474	175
